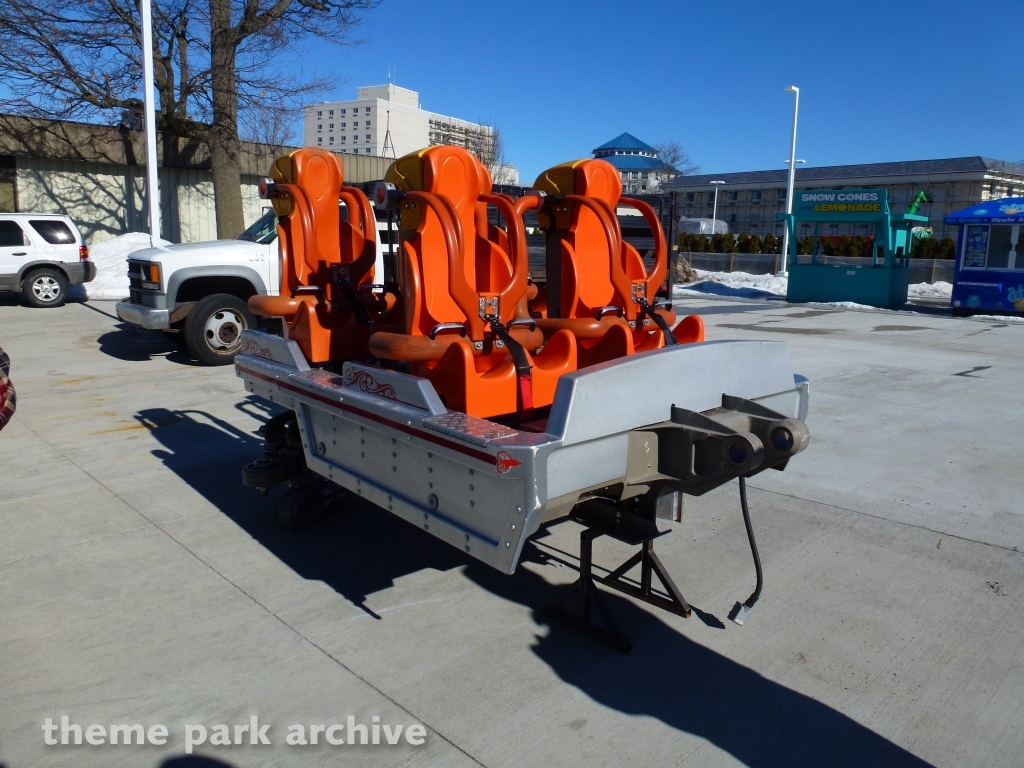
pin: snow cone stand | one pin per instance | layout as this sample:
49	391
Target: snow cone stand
884	282
453	392
989	272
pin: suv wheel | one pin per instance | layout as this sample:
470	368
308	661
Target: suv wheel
213	329
45	288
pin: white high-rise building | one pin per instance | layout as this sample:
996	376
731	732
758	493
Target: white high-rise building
387	121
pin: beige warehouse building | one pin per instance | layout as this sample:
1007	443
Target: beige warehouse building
748	201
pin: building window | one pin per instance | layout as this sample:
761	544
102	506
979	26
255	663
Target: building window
330	113
320	126
355	138
367	149
319	139
342	126
755	196
330	126
367	123
689	197
732	197
780	195
342	112
367	110
330	140
342	139
367	137
319	114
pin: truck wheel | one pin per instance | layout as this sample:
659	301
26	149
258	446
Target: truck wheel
213	329
45	288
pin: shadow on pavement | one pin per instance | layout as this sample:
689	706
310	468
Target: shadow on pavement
136	345
194	761
667	676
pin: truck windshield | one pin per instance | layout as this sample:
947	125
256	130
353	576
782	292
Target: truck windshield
263	231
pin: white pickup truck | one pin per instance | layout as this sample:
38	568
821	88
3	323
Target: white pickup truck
200	290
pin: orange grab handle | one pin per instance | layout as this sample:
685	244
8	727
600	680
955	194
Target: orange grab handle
516	287
655	279
619	279
458	287
358	203
301	203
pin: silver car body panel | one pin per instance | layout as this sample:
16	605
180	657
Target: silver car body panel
482	486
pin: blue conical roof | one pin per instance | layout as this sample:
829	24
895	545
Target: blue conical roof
626	141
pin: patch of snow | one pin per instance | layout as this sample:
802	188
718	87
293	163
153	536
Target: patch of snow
939	290
111	280
999	318
748	286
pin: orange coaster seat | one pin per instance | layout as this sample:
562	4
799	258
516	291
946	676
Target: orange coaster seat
464	288
325	261
597	282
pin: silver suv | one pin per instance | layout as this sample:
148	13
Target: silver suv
41	256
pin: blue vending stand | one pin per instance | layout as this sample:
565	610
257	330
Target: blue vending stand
989	272
884	282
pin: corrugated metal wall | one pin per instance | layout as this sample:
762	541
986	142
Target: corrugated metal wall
106	200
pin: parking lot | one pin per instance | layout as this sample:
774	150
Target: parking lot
141	582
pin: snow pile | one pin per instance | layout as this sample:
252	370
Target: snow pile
746	286
740	284
937	290
999	318
111	280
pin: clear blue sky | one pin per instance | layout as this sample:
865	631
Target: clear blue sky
879	81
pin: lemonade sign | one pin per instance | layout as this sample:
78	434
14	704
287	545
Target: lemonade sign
842	202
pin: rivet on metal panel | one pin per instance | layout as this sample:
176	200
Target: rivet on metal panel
472	503
271	398
430	485
360	429
334	442
467	547
408	423
430	470
362	454
393	440
394	469
467	537
519	510
471	471
430	455
389	498
507	545
431	502
513	526
389	507
359	482
394	455
359	491
361	440
471	487
408	437
426	527
426	516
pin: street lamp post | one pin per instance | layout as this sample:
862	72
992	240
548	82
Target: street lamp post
714	211
792	178
152	182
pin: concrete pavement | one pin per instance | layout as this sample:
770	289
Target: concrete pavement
140	582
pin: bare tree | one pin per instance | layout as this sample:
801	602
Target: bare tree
671	153
490	148
216	62
269	126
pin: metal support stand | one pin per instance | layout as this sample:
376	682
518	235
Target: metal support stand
650	564
589	598
603	518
